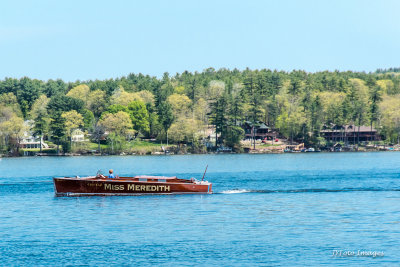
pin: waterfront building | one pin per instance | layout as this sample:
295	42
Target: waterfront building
350	134
28	140
258	130
77	135
32	142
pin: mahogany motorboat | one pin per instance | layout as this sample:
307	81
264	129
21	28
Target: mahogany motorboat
137	185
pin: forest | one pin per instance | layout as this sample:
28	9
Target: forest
181	109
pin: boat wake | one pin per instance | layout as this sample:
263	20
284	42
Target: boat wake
236	191
310	190
13	183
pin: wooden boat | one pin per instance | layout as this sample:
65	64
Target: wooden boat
137	185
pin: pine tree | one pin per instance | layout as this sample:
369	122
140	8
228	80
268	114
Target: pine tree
219	117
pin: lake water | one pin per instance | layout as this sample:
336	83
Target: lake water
283	210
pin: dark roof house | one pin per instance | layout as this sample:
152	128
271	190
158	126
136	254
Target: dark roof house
257	129
350	133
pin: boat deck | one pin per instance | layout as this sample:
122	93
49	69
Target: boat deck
138	178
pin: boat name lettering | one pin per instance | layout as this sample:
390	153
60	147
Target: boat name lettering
152	188
137	187
114	187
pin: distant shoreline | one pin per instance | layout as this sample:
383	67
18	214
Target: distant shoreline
180	154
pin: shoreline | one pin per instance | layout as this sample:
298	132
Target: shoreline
180	154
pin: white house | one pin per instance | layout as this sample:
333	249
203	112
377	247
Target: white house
30	141
77	135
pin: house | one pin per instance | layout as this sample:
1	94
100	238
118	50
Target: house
28	140
350	133
258	130
32	142
77	135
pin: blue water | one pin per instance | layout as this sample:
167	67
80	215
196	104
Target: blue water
269	210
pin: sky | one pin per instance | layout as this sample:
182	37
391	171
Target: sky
82	40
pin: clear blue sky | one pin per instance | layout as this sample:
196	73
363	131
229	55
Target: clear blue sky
107	39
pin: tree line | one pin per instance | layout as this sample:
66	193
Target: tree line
182	108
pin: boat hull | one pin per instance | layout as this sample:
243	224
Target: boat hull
82	187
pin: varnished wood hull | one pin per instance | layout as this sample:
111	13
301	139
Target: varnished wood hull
67	186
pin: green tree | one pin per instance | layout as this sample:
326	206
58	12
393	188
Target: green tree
12	129
290	123
11	101
121	97
139	116
154	125
390	117
97	102
359	93
58	130
97	134
254	89
201	110
316	116
181	105
117	142
186	131
54	87
146	96
56	106
234	135
116	108
61	103
27	92
88	120
40	117
374	98
218	118
166	116
72	120
215	89
118	125
236	106
80	92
